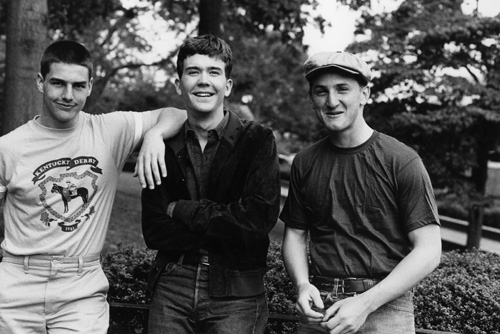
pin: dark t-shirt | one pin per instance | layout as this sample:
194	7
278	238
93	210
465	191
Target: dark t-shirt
359	205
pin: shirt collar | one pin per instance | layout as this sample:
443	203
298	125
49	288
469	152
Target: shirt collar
219	129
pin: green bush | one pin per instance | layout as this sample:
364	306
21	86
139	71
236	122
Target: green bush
280	292
127	270
462	295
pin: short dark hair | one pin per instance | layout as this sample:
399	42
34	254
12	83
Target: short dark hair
208	45
68	52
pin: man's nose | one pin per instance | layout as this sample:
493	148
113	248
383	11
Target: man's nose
68	93
332	101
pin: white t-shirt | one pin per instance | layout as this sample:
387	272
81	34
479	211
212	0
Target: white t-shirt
59	185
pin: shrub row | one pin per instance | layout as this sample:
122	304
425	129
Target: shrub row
462	295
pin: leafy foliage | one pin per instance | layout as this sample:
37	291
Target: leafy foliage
462	295
436	83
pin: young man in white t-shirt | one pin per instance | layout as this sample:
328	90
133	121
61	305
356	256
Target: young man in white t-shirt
52	281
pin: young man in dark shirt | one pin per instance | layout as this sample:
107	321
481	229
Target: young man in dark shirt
210	218
367	203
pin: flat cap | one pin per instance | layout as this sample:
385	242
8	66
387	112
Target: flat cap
344	61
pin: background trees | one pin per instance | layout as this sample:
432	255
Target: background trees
435	88
26	38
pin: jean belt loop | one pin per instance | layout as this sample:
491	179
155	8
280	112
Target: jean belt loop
26	264
80	265
335	287
179	262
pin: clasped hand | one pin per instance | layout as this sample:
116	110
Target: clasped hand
345	316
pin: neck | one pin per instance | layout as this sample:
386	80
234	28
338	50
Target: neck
352	137
201	123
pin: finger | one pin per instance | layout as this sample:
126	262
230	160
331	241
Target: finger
163	168
139	171
331	311
149	175
156	172
306	310
317	300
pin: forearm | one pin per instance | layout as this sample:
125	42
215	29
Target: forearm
168	122
295	256
250	206
418	264
251	217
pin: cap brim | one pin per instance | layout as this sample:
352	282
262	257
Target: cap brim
345	69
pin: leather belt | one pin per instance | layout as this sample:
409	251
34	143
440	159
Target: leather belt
190	257
194	257
344	285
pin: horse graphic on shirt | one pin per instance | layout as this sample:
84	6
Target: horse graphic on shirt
67	195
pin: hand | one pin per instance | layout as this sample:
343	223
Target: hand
170	208
307	297
151	160
346	316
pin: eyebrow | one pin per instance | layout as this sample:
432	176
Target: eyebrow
64	81
199	68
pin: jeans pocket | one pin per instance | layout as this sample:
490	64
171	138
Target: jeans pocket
403	303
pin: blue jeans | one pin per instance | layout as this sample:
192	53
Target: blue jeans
181	304
395	317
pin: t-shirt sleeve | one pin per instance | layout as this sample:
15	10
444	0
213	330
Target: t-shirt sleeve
416	196
123	132
293	213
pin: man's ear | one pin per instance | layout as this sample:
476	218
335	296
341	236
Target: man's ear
365	95
229	87
39	82
178	86
91	82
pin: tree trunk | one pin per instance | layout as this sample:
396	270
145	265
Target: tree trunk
26	39
210	17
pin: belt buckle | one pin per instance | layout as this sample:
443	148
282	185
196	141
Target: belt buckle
338	283
339	288
204	260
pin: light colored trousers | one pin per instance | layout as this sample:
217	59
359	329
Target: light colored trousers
54	295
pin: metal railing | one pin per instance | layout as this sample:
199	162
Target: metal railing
273	317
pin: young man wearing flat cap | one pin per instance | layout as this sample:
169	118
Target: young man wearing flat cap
367	203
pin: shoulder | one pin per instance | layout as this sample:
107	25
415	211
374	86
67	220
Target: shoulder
393	146
248	128
397	156
16	136
313	150
112	122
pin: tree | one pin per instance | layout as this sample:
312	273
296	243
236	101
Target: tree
437	88
120	47
26	38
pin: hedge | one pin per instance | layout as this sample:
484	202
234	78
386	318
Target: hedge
462	295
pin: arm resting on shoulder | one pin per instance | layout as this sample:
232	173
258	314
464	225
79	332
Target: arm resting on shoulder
150	164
